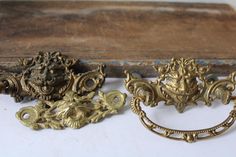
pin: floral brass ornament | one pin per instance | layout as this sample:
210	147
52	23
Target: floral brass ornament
72	111
48	77
181	83
65	97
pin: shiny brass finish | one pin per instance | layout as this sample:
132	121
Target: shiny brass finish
72	111
182	82
65	98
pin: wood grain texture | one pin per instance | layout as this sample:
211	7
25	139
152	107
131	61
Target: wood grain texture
123	35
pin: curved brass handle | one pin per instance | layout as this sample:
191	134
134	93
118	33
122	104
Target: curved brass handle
181	83
186	135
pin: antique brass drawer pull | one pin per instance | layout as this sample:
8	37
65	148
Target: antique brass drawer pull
65	98
178	85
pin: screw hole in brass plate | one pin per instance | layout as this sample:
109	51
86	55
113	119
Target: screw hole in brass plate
66	99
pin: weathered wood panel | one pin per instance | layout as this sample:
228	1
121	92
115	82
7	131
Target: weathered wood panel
132	35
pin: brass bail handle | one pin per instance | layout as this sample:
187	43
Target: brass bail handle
181	83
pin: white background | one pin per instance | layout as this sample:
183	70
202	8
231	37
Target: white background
119	135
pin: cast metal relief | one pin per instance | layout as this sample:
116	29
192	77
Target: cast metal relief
181	83
48	76
65	97
72	111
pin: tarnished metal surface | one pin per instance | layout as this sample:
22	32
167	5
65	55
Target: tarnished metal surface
181	83
66	97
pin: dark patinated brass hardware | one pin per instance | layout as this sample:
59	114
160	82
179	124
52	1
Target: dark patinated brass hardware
65	98
182	82
48	77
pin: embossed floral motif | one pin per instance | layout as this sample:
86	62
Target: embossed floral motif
182	82
49	76
72	111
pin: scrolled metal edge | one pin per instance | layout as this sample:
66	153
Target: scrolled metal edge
47	77
72	111
142	89
209	90
96	77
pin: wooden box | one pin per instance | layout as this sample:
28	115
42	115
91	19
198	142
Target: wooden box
123	35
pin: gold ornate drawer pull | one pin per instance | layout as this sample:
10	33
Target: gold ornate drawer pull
178	85
65	98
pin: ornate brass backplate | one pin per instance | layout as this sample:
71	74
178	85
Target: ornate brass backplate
48	77
72	111
182	82
65	98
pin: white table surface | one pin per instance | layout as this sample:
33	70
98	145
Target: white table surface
117	136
